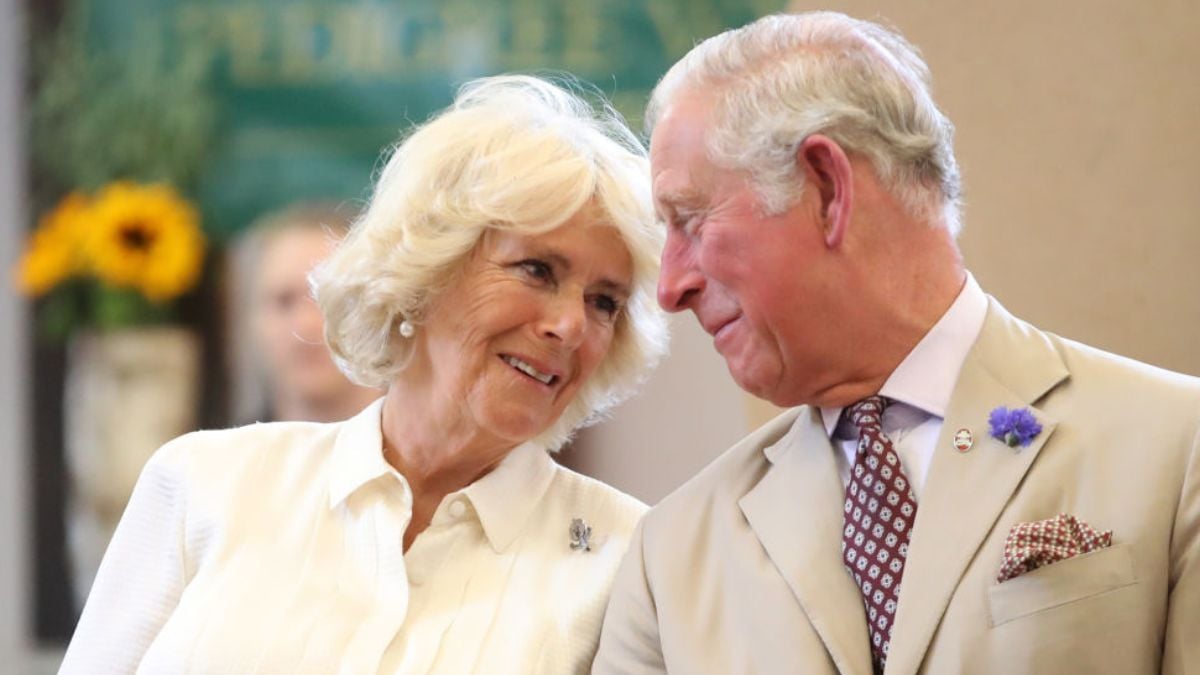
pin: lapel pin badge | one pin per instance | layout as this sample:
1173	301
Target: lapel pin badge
580	533
963	440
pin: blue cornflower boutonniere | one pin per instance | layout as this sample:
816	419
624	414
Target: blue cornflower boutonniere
1015	427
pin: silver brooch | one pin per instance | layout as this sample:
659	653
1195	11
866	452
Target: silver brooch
580	532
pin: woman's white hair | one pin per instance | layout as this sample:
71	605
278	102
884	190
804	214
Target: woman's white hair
514	153
787	76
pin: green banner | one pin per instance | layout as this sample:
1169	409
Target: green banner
310	92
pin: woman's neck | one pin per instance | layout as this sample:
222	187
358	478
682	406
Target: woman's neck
435	455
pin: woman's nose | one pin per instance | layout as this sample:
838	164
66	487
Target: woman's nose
565	319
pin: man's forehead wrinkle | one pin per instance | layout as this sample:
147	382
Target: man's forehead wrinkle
676	178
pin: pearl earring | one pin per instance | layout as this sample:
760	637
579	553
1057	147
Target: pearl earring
407	329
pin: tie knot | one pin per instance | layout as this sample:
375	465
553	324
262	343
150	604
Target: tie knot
867	412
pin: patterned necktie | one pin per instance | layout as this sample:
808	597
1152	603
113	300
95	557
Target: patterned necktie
879	512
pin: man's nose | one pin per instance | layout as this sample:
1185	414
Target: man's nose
679	280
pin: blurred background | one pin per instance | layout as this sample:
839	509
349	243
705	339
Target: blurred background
202	122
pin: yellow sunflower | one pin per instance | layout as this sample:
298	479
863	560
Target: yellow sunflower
53	255
145	237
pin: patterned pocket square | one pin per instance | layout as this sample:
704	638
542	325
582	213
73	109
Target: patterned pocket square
1042	542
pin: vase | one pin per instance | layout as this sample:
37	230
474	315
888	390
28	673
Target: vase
127	392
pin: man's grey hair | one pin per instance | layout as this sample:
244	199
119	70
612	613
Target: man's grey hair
785	77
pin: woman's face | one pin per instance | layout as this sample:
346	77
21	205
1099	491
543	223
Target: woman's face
507	346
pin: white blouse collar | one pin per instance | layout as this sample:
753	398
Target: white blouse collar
504	499
507	496
357	454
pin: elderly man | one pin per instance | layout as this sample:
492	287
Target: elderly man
956	491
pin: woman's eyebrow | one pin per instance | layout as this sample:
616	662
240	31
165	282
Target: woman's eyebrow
614	287
562	262
553	258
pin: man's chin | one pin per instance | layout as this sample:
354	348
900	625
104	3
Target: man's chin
766	385
751	382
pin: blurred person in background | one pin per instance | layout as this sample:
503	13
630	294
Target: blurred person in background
500	284
282	369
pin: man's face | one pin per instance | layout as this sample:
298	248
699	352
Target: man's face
754	282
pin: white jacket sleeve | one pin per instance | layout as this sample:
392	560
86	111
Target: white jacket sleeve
142	576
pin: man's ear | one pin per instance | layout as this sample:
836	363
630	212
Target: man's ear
827	171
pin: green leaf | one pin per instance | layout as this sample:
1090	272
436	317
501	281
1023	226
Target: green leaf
123	307
102	115
60	314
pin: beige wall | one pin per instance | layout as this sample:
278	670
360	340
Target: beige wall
1077	130
687	413
1079	136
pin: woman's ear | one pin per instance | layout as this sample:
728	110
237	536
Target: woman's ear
826	168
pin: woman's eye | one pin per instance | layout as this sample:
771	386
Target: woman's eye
536	269
607	304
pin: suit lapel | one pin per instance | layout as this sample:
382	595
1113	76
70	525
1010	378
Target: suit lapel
1013	365
796	512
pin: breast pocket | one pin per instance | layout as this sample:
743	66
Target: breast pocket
1061	583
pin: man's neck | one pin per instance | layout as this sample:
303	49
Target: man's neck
907	288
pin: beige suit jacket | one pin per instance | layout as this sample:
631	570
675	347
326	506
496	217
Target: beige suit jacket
740	570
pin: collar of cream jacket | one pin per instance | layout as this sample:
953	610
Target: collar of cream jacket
504	499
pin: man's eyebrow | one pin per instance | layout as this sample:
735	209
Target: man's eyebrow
669	204
675	198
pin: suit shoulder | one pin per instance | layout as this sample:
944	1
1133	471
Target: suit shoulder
1094	376
1115	397
1136	378
733	472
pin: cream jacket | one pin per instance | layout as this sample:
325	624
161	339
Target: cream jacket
740	570
277	548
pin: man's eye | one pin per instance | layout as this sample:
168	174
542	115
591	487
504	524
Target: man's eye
688	223
536	269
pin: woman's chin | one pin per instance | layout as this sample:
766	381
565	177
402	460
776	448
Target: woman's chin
516	426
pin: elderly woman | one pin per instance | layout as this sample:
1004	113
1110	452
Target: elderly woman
500	285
